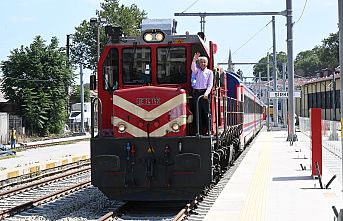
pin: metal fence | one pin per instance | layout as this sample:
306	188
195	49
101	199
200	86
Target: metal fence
330	133
330	129
75	127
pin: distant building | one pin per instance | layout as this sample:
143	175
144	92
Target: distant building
8	119
4	120
322	92
74	121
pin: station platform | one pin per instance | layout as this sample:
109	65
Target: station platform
35	160
271	183
52	141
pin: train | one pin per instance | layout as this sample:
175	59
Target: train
146	145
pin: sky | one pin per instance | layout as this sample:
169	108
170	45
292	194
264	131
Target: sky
248	37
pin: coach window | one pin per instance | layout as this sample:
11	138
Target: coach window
111	71
328	97
136	65
338	99
310	103
171	65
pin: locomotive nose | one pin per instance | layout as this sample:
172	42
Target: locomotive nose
149	110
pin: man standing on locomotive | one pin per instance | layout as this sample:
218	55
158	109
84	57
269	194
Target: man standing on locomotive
203	86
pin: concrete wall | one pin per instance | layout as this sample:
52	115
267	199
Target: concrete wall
4	128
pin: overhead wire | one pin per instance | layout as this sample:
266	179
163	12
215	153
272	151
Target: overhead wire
301	12
265	27
21	79
259	31
190	6
252	37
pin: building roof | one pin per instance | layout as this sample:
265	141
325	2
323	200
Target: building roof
320	79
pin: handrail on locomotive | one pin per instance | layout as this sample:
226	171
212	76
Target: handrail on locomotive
198	117
93	115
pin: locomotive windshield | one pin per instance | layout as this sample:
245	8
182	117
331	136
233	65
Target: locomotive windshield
171	65
136	65
111	70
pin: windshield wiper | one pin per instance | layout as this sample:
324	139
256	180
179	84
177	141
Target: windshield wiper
167	57
132	61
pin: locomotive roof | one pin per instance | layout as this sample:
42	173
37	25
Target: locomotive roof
175	39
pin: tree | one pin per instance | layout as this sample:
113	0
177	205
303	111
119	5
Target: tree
281	57
35	78
84	48
75	96
307	63
240	73
329	51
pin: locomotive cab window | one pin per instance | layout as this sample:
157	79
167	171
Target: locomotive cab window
171	65
111	71
136	65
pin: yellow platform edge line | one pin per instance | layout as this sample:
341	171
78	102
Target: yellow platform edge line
37	167
256	200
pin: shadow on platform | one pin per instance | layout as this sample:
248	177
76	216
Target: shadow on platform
290	178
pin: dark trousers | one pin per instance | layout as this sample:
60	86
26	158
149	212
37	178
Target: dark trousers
203	111
13	141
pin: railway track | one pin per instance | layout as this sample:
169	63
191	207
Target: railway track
51	142
194	210
34	194
145	211
28	178
45	172
197	209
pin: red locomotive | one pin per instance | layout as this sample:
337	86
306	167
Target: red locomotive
148	145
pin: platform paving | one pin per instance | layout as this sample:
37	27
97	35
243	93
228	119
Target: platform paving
270	184
33	159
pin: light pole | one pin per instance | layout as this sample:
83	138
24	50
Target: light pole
340	26
290	71
98	22
268	101
275	100
93	22
284	102
68	44
68	63
67	87
82	100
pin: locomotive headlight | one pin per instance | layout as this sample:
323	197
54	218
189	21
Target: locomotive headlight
159	36
121	127
148	37
175	127
153	36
